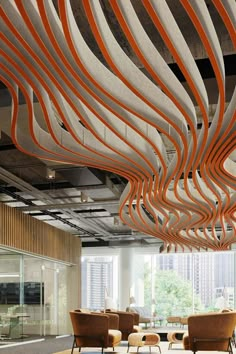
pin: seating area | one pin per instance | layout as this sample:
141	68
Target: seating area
210	331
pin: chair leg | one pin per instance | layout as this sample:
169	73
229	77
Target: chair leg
128	348
73	345
113	348
230	349
137	349
159	348
233	339
150	349
102	350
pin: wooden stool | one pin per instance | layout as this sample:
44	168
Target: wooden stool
141	339
175	338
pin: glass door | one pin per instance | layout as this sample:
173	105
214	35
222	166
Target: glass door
33	297
50	305
11	295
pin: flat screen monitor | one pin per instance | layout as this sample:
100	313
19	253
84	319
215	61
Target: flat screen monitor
10	293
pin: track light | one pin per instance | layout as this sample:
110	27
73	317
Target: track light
116	221
50	174
83	197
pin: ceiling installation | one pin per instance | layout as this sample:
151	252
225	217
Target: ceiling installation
139	89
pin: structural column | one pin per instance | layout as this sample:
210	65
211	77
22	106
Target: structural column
126	278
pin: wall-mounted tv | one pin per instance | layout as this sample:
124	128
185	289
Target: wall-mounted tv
10	293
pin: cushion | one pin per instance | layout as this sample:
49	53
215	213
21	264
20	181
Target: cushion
114	337
83	310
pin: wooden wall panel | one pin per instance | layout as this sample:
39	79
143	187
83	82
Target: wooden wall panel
22	232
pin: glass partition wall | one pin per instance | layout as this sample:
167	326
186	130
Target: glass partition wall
166	284
33	296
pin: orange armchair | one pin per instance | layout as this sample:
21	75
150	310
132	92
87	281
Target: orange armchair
212	331
93	330
128	322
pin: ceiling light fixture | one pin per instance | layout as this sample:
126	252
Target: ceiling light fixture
83	197
50	174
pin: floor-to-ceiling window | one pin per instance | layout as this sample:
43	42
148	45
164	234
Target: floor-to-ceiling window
181	284
166	284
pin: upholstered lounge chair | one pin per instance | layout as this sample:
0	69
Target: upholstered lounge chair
144	314
212	331
128	322
94	330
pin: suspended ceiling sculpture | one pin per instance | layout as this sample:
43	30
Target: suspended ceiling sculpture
116	118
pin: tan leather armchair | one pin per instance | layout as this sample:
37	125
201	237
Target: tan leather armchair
95	330
128	322
212	331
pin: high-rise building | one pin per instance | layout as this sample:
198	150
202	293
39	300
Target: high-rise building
97	281
210	273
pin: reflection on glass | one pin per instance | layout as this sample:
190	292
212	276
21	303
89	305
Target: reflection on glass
33	296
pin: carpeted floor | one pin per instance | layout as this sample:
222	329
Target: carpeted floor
48	346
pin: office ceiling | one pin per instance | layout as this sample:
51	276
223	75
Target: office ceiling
131	106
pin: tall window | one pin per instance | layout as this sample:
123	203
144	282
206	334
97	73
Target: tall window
99	280
181	284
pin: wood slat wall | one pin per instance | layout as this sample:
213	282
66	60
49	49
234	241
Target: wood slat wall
22	232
